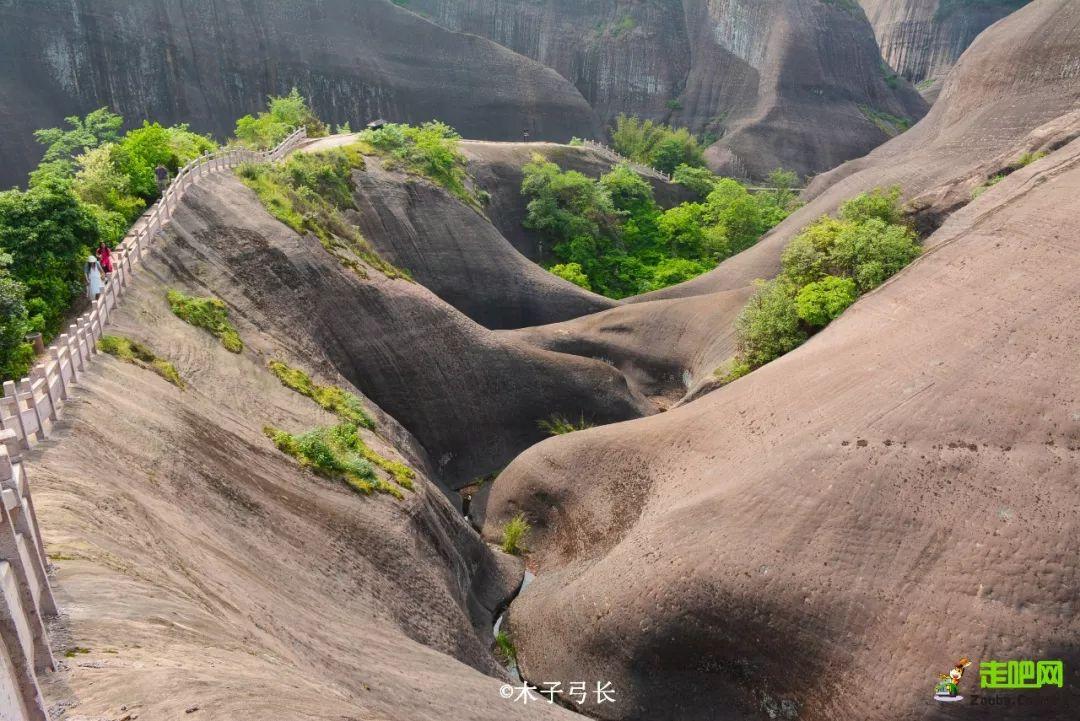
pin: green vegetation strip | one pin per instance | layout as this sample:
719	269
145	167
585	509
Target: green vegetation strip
345	405
136	353
209	314
558	425
824	269
339	453
429	150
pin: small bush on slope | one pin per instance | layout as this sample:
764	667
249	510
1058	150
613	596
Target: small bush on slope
310	192
282	115
208	313
136	353
514	532
824	269
430	150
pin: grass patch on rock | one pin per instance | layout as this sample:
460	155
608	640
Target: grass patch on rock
209	314
339	453
136	353
557	425
346	406
513	536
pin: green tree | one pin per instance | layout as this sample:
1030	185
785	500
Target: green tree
769	326
16	355
48	232
882	204
699	180
661	146
63	144
283	115
820	302
671	271
573	273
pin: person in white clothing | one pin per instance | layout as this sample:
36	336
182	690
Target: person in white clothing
92	270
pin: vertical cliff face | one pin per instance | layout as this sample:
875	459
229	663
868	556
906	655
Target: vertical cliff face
208	62
922	39
622	56
799	84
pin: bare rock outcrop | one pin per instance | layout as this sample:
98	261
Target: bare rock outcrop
197	567
897	493
797	84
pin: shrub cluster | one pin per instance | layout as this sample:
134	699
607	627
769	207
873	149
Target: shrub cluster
661	146
611	237
282	115
338	452
824	269
209	314
430	150
310	193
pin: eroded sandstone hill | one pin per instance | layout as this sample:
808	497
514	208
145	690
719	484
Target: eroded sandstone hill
209	62
898	492
1015	91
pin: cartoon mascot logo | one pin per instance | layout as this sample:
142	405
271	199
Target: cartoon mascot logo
947	689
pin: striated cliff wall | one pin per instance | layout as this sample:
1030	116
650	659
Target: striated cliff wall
208	62
922	39
798	84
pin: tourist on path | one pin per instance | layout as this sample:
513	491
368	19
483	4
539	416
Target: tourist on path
104	256
162	175
92	271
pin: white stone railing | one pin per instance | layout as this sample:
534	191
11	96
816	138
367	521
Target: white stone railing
27	412
616	157
30	406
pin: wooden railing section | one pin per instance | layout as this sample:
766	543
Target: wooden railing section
28	410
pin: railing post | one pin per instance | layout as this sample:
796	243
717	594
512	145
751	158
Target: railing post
65	341
58	357
28	389
42	372
88	334
10	392
73	333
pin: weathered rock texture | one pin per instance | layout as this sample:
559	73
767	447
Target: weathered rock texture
794	83
209	62
922	39
898	492
785	83
200	568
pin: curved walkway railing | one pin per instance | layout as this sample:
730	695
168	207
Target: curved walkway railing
30	406
27	412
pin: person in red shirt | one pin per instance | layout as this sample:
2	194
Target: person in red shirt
104	256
